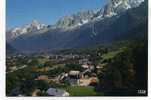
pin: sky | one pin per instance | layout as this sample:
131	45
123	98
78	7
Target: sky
20	12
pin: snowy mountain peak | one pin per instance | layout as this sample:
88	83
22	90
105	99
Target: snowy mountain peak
114	7
31	27
75	20
36	24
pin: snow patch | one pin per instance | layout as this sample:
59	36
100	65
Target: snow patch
85	21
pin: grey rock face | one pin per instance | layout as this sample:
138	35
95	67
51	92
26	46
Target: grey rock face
82	29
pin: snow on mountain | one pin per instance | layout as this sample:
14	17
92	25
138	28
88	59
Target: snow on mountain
74	20
33	26
115	7
112	8
90	28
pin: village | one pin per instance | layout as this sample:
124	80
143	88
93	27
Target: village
72	70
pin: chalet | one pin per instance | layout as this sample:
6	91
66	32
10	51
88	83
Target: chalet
74	74
73	77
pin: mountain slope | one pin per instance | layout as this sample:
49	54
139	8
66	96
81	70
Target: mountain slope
10	50
102	31
34	26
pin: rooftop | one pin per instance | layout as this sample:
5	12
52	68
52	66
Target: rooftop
56	92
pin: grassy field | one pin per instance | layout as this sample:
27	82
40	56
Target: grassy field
112	54
82	91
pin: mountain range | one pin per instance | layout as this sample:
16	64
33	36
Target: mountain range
117	20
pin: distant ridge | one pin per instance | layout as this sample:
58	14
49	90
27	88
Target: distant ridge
115	21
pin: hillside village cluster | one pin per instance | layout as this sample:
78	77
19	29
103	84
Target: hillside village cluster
85	77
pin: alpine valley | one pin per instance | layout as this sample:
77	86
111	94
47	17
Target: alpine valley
99	52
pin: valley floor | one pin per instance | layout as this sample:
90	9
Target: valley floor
85	72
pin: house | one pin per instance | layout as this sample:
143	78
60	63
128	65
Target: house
93	81
73	77
42	77
13	68
56	92
84	82
86	73
84	61
86	66
74	74
62	77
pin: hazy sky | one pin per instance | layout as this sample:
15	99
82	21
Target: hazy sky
21	12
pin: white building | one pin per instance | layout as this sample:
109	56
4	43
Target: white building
56	92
